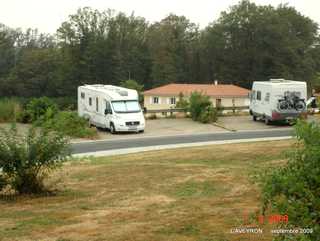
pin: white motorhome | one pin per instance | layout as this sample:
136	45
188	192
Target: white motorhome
278	99
111	107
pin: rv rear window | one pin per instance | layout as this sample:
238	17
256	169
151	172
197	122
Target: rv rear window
258	95
267	98
83	95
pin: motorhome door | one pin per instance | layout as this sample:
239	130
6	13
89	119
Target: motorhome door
108	113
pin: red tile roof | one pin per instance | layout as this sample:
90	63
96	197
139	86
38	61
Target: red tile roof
219	90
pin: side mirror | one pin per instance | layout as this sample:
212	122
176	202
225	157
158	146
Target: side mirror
106	111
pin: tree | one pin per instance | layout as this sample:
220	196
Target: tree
172	44
105	47
252	42
132	84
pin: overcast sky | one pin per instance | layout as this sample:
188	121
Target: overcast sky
48	15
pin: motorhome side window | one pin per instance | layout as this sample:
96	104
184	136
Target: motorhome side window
83	95
97	104
258	95
90	101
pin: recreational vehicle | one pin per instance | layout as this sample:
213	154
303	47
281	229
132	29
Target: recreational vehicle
111	107
278	99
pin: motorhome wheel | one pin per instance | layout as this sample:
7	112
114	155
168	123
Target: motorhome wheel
112	128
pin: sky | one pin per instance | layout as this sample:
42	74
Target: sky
47	15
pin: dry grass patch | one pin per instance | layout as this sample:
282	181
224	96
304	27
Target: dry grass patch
186	194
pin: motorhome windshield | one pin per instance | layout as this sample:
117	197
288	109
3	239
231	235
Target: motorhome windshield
126	106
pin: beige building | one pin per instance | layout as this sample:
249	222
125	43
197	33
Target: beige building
166	97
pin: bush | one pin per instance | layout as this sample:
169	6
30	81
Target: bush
23	117
70	124
294	189
152	117
40	109
26	161
9	110
65	103
209	115
201	108
182	102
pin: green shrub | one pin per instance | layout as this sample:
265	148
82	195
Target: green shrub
182	102
152	117
27	160
70	124
65	103
9	110
294	189
209	115
201	108
40	109
23	117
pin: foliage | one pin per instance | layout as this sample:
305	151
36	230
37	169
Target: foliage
182	102
132	84
9	109
152	117
253	42
26	161
41	109
65	103
201	108
70	124
294	189
209	115
248	42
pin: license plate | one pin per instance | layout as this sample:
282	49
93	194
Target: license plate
133	128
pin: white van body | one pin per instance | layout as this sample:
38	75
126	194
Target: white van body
278	99
111	107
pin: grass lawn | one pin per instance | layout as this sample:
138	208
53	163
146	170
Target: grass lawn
183	194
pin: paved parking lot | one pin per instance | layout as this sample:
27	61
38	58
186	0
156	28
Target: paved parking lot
239	123
164	126
179	126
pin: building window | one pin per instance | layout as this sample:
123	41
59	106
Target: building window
90	101
97	104
258	95
155	100
173	100
83	95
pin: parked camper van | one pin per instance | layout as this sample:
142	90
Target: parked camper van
278	99
111	107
